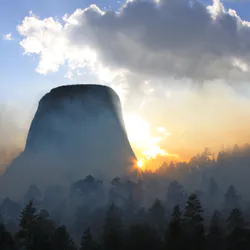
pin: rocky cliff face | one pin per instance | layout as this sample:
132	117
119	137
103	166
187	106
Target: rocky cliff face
77	130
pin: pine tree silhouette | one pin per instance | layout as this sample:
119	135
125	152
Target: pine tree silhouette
193	211
235	219
87	242
193	223
6	240
113	229
215	237
174	234
157	216
143	237
239	237
231	198
28	222
61	240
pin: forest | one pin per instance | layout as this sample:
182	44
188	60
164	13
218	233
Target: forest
200	204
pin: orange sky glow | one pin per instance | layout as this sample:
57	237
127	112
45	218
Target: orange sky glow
174	127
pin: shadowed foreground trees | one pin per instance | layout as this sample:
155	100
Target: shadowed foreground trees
6	240
174	234
143	236
61	240
215	233
113	229
158	212
185	230
87	241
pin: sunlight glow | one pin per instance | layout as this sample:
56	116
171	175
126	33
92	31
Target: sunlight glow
143	142
137	129
153	152
140	163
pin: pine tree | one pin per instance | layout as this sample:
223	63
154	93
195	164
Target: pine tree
28	222
157	215
235	219
193	211
87	242
193	223
113	232
215	227
144	237
44	229
61	240
129	209
215	238
174	233
6	240
231	198
238	237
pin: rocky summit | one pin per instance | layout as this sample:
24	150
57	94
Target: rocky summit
77	130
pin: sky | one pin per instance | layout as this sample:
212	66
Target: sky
181	68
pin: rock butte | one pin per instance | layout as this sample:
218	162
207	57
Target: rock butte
77	130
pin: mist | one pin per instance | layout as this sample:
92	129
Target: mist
12	135
215	117
77	130
146	146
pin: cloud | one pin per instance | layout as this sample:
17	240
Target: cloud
158	53
8	37
45	38
177	38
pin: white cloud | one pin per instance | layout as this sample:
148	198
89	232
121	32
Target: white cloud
167	38
8	37
45	38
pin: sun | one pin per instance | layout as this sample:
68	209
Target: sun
140	136
139	163
146	142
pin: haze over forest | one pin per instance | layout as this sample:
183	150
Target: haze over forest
124	125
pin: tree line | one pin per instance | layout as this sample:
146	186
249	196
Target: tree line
183	205
185	229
